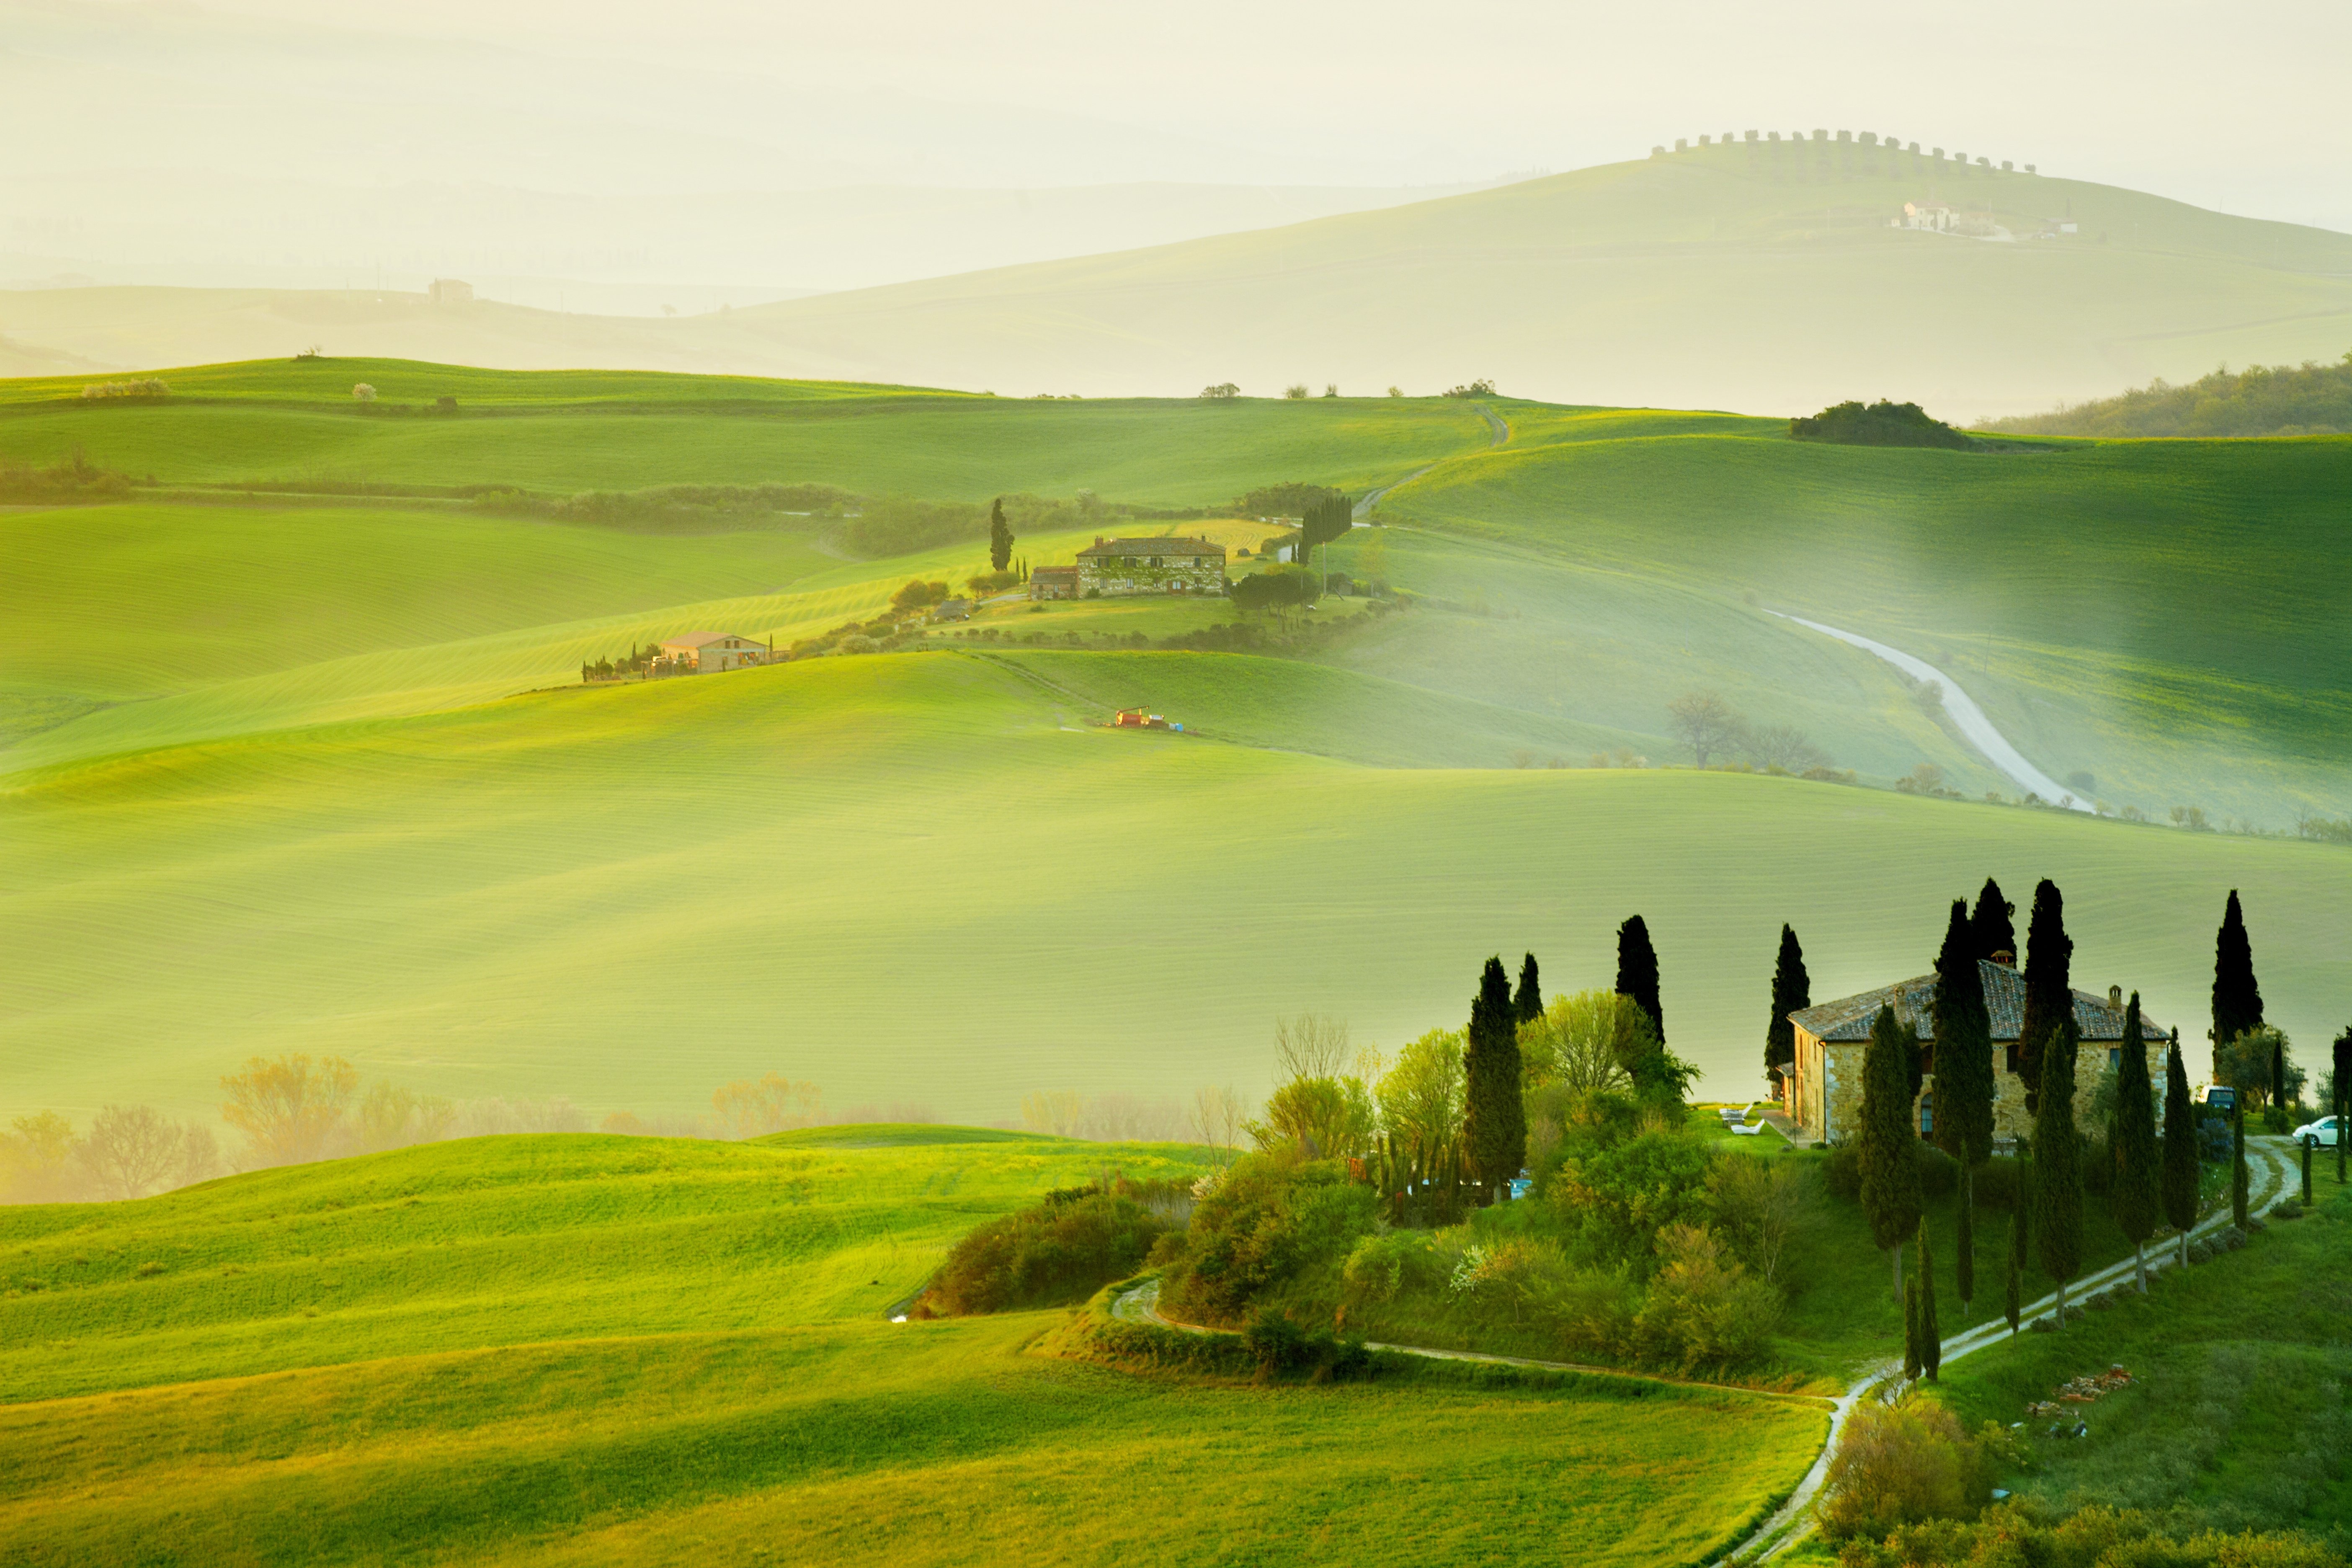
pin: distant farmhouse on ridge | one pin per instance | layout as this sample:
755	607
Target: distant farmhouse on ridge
1822	1088
1122	568
709	652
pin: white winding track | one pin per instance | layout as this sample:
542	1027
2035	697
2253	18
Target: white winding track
1965	713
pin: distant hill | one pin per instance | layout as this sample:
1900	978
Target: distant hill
2308	399
1768	278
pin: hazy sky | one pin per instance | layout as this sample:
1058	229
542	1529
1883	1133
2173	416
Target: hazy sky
2234	104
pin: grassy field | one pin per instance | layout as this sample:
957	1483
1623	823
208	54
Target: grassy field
563	432
632	895
2236	1418
587	1350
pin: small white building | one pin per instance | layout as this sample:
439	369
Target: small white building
449	292
709	652
1933	216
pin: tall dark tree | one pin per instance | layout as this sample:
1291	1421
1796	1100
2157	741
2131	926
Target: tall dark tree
2049	985
1637	973
1493	1126
2136	1194
1793	992
1527	1002
2179	1188
1931	1332
1964	1242
1000	536
1991	926
2343	1097
1963	1031
1911	1359
1890	1196
2058	1165
2278	1072
2237	997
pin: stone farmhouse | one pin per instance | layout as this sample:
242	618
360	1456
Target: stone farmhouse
1821	1090
709	652
1119	568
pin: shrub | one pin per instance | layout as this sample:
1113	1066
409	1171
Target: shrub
2095	1537
1386	1263
1880	423
1270	1221
1899	1465
1616	1197
1940	1176
1281	1348
1074	1243
149	386
1702	1309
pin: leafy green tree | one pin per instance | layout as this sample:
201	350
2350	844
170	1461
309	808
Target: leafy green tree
1890	1196
1793	992
1495	1126
1527	1002
2058	1164
2135	1195
2237	995
2049	985
2180	1183
1989	924
1931	1332
1637	973
1000	536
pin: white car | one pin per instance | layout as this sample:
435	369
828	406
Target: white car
2320	1134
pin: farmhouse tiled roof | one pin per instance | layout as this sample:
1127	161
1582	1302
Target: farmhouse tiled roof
1153	547
702	639
1053	572
1849	1018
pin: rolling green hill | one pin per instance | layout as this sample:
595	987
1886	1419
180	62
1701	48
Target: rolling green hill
631	895
583	1348
1765	278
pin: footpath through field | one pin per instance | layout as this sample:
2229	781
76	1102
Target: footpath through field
1783	1529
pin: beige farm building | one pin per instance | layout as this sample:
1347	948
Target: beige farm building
709	652
1118	568
1822	1088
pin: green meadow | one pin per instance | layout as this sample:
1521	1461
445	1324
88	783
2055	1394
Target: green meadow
591	1350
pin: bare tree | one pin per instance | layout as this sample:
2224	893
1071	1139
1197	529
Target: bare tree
750	1109
1703	721
1060	1111
130	1149
1312	1045
1785	747
1217	1115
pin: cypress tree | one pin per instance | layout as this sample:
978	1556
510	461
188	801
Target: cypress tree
1000	536
2049	987
2237	998
1991	926
1963	1031
2278	1072
1931	1332
2133	1197
2237	1192
1527	1003
1890	1196
1493	1126
2057	1159
2179	1189
1793	992
2343	1095
1637	973
1911	1330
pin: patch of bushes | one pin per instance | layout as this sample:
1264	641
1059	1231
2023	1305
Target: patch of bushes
2017	1532
1939	1175
1282	1349
677	509
1901	1465
147	389
1270	1222
1075	1242
71	478
1880	423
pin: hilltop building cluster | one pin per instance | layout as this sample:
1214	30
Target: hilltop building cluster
1848	143
1124	568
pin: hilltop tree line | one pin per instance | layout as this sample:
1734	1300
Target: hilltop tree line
2308	399
1880	423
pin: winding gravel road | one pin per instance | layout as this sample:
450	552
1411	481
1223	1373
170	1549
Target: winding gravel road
1965	713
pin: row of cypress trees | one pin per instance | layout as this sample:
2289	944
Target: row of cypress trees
1495	1122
